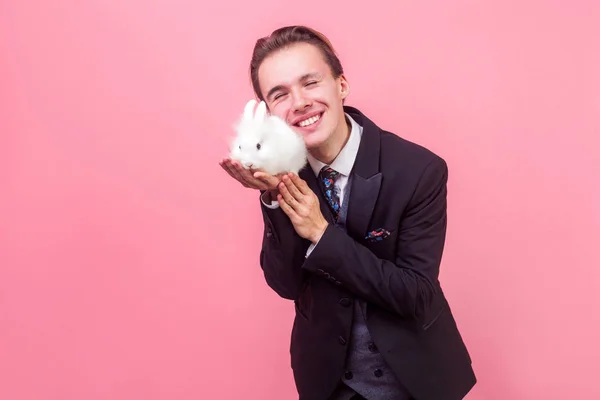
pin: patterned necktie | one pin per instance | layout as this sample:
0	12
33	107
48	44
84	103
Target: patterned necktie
327	178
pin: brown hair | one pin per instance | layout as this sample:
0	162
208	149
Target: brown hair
285	37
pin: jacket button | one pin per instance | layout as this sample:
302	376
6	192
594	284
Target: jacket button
372	347
348	375
378	373
345	302
342	340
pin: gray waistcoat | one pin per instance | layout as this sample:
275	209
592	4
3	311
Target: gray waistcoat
366	371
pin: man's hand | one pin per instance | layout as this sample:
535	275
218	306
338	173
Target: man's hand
301	205
250	178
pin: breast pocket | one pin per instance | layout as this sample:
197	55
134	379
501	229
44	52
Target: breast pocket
382	242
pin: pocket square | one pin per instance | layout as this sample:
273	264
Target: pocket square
377	235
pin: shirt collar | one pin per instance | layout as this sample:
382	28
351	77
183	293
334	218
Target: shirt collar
344	162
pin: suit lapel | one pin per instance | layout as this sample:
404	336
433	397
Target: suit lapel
362	203
366	179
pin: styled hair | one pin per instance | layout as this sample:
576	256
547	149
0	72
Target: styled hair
284	37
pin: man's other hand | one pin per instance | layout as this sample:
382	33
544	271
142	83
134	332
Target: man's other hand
250	178
301	205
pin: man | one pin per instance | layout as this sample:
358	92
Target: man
355	239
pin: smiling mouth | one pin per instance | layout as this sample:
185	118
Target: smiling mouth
309	121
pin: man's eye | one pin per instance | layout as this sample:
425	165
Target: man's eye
278	96
311	83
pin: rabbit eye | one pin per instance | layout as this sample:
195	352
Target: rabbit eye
240	147
257	146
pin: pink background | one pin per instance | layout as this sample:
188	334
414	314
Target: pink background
129	261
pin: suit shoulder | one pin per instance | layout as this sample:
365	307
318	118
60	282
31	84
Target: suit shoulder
404	151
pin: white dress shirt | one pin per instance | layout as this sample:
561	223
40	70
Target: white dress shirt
343	164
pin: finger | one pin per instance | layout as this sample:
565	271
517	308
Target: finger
270	180
237	175
249	178
231	167
287	209
293	189
287	196
300	184
227	167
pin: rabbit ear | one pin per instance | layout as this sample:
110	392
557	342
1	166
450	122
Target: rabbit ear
261	112
249	111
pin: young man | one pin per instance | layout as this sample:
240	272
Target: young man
355	240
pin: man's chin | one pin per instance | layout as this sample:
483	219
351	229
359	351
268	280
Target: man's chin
313	142
314	139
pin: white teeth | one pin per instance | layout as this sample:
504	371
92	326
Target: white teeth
309	121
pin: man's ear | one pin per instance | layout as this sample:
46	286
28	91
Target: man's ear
344	87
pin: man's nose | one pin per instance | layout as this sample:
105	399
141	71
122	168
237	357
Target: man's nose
300	102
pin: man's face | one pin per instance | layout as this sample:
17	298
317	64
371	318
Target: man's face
298	87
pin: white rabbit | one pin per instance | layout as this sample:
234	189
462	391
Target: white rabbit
267	142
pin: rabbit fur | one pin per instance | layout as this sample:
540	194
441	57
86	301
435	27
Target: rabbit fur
266	142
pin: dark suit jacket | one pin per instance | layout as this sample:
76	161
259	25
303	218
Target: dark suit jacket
401	187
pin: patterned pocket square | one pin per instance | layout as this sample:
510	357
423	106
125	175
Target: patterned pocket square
377	235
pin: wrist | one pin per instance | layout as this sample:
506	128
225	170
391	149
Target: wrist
319	233
273	193
270	195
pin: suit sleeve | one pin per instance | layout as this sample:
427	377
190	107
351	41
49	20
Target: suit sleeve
406	285
282	254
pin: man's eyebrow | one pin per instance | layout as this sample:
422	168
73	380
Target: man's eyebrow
273	90
313	75
304	77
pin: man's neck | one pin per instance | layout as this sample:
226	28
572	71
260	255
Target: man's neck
330	149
